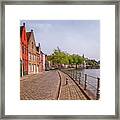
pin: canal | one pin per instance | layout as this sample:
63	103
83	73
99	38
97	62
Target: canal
92	72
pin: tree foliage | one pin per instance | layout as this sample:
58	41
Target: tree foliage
60	57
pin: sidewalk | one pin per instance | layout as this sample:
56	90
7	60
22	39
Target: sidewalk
69	90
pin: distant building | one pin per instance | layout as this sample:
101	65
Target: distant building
84	64
38	57
23	51
42	61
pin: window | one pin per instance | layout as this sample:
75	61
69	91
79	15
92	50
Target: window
22	49
29	56
33	68
29	67
33	57
32	45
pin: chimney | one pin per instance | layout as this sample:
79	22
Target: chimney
23	24
39	45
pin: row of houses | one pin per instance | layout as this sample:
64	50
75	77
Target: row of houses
32	59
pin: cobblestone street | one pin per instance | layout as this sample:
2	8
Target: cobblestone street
49	85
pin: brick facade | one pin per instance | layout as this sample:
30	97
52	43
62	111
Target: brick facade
23	51
33	54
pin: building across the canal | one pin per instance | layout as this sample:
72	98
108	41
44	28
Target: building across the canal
32	59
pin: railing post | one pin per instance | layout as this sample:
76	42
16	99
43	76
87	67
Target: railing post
98	91
85	82
79	77
73	74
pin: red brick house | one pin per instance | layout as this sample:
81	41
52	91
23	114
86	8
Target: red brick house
23	51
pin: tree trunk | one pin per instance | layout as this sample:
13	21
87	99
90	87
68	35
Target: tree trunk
76	66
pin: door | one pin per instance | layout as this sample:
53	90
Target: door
21	69
34	69
37	69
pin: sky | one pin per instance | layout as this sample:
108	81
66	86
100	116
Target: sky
72	36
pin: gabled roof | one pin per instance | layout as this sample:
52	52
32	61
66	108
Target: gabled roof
28	35
37	48
21	28
42	53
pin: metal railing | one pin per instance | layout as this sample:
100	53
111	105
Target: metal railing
89	83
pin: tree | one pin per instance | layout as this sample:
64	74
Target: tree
70	59
77	59
60	57
93	63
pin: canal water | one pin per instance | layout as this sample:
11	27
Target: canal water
92	72
91	78
92	75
